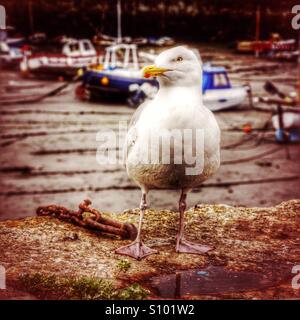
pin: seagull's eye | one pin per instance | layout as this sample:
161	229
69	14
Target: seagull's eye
179	59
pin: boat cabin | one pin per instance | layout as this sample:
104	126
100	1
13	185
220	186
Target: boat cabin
215	78
76	48
122	56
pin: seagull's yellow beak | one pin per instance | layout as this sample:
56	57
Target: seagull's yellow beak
153	71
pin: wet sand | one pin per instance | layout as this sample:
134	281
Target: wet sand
48	150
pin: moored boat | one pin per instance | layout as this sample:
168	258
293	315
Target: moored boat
274	45
72	55
218	92
120	70
10	57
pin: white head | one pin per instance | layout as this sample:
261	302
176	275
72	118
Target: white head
178	66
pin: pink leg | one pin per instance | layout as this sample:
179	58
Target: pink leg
137	249
183	245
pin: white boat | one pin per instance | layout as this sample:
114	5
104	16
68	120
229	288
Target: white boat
9	57
73	55
218	93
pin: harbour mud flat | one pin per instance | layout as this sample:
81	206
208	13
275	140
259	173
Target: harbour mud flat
48	149
255	256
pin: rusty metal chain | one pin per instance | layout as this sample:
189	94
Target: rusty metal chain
89	218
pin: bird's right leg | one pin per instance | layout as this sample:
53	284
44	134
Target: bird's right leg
137	249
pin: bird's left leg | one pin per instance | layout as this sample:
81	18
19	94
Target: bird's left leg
183	245
137	249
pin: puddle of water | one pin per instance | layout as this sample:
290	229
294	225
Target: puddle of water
212	280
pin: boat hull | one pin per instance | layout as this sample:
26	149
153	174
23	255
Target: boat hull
7	62
56	64
221	99
113	84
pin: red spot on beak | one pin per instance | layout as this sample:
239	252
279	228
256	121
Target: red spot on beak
147	75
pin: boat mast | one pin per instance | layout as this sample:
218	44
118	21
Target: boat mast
30	15
119	13
257	29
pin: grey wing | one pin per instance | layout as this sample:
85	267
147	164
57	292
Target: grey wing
137	113
132	133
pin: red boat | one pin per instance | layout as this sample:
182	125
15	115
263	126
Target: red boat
274	44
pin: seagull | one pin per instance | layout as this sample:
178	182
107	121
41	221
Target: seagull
177	107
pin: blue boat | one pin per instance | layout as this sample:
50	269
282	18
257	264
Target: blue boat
218	92
120	75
